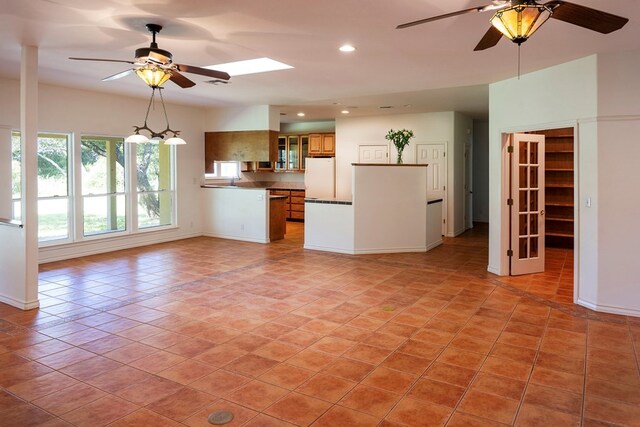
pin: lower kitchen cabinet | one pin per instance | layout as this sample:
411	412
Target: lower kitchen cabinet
294	203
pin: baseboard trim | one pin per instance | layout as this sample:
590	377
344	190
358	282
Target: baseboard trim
434	245
95	247
609	309
328	249
389	250
22	305
240	238
495	271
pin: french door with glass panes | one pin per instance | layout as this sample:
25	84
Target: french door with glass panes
527	203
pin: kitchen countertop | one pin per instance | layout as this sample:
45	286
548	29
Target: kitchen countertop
259	185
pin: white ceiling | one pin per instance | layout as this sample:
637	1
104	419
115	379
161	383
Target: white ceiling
431	67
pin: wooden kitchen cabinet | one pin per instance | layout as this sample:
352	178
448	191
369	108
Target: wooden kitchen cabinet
322	144
294	203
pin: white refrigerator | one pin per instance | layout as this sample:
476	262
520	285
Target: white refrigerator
320	177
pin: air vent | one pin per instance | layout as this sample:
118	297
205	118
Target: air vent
386	107
217	82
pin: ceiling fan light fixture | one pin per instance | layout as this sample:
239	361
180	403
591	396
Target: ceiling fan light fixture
519	22
153	76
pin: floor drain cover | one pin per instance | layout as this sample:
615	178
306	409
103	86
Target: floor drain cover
220	417
388	308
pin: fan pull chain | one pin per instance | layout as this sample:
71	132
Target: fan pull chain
519	45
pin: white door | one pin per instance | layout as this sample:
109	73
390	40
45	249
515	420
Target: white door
468	188
373	154
436	157
527	203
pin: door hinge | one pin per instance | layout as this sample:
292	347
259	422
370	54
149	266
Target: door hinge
510	149
444	187
510	202
444	221
444	154
509	252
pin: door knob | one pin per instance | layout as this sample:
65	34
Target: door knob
542	212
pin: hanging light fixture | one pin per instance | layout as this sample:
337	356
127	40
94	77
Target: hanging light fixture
521	20
155	137
153	75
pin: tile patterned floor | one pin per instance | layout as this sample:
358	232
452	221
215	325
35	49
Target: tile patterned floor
166	334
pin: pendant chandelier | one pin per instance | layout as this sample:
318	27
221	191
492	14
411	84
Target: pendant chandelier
154	137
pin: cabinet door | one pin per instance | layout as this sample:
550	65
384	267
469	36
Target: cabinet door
282	153
293	153
329	144
304	151
315	144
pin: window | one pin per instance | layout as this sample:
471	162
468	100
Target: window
108	170
53	187
154	189
103	185
225	170
16	176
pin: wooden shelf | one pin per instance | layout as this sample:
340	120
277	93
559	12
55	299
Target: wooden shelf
567	204
548	218
559	186
556	234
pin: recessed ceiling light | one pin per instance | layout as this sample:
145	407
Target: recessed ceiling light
345	111
347	48
300	114
250	66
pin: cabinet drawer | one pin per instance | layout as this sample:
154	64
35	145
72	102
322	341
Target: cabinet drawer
299	208
297	200
280	192
297	193
297	215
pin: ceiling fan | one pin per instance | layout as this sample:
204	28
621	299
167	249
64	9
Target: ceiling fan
519	19
155	66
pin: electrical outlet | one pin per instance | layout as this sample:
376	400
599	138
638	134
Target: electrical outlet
260	197
241	227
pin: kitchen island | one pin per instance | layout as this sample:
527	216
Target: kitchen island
243	213
389	213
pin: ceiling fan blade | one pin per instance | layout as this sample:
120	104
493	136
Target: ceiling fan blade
203	71
181	80
102	60
490	39
586	17
439	17
119	75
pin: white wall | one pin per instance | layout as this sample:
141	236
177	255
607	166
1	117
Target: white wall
328	227
390	209
254	117
599	95
480	171
236	213
85	112
443	127
462	135
555	97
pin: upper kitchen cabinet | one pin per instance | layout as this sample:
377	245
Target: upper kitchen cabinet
322	144
292	150
243	146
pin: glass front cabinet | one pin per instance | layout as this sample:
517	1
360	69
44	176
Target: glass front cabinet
292	151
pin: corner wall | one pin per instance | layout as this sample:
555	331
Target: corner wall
598	95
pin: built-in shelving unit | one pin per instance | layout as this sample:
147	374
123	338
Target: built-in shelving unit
559	187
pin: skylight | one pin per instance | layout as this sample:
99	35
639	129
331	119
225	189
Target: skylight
250	66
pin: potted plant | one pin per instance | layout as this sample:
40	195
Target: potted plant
400	139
